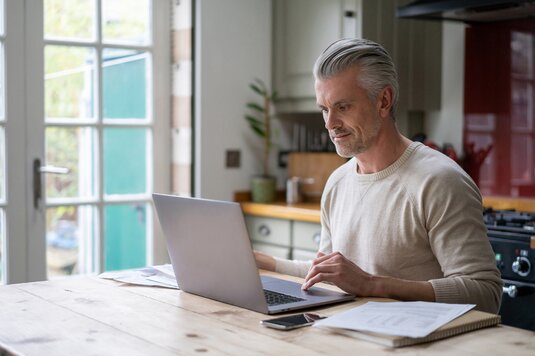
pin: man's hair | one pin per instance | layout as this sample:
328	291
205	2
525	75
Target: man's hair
377	69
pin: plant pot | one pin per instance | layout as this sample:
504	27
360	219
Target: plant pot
263	189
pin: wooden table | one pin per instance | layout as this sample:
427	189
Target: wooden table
86	315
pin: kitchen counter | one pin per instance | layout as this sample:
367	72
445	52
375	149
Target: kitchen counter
310	212
503	203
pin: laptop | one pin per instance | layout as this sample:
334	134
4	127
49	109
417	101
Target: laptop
211	254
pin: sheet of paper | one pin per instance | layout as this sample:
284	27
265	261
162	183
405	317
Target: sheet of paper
413	319
152	276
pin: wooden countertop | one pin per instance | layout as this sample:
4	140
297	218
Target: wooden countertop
85	315
519	204
310	212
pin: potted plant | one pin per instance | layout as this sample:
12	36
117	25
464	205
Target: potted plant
263	187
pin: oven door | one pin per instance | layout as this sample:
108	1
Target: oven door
518	303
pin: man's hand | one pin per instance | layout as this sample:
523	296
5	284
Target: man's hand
337	269
264	261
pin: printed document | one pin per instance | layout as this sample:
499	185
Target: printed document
152	276
412	319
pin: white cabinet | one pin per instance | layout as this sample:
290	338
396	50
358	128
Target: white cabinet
304	28
283	238
306	235
269	235
277	251
269	230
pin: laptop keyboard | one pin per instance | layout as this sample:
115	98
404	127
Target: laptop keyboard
275	298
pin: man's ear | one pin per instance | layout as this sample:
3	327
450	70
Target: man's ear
385	101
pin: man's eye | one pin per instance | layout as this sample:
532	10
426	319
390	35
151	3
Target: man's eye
342	108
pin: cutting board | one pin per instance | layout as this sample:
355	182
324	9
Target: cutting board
316	165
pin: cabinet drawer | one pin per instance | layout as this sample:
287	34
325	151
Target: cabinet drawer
277	251
306	235
273	231
303	255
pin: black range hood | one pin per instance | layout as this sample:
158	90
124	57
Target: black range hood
469	11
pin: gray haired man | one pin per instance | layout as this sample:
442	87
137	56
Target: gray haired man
399	219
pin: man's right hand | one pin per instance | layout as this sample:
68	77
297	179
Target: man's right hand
264	261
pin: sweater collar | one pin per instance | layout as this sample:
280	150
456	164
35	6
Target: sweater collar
372	177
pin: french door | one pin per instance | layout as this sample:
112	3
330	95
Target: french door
84	139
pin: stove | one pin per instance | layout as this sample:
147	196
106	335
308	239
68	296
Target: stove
512	237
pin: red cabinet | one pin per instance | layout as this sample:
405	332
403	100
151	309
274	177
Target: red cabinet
499	106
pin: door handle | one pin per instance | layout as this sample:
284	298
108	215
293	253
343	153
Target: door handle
37	171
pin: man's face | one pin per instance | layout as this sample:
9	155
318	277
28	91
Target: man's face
353	121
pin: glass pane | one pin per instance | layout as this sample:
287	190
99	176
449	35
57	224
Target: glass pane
2	244
72	148
69	82
125	21
2	165
2	85
69	19
124	84
70	238
125	236
125	160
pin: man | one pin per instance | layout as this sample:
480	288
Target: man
399	219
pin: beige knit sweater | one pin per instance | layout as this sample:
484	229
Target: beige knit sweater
418	219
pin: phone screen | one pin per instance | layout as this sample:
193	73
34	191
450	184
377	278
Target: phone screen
292	321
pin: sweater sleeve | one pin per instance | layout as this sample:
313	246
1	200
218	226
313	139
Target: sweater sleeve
458	238
300	268
292	267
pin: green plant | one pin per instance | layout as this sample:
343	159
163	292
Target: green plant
260	120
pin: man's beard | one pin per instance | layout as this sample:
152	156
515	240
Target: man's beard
359	144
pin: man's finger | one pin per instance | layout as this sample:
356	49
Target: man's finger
323	257
323	268
319	277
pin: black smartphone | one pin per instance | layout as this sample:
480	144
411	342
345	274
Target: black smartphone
292	321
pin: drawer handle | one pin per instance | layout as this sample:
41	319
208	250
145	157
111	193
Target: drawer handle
316	238
264	230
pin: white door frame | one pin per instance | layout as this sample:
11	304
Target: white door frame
16	257
34	108
26	242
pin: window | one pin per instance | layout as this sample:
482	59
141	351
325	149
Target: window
99	125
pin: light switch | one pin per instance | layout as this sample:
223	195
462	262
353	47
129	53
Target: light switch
233	159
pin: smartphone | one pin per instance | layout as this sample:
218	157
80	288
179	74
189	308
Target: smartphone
292	321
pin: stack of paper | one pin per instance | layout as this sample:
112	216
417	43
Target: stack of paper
398	324
153	276
412	319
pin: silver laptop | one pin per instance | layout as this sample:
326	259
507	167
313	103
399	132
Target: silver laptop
212	257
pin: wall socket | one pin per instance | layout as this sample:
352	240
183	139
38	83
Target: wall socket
233	158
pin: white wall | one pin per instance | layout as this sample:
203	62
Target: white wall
446	125
233	46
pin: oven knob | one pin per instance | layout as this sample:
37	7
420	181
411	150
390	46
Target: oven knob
521	266
512	291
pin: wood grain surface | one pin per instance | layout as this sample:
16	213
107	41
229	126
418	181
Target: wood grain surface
86	315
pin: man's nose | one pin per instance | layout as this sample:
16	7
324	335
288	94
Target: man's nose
331	121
